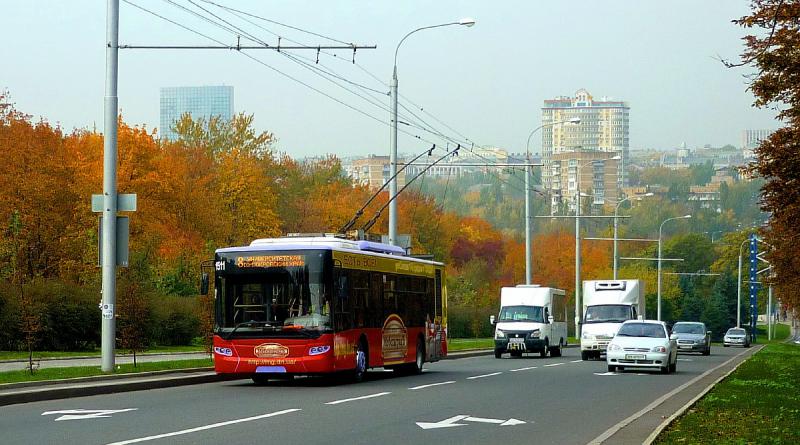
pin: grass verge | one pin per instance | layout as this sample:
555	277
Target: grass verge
462	344
90	371
757	403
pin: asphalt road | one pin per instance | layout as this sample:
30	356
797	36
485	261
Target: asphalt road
484	400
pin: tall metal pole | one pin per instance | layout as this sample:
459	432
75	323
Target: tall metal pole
769	313
528	250
109	247
577	250
393	159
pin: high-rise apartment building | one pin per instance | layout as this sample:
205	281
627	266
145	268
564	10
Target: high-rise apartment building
594	173
603	128
200	102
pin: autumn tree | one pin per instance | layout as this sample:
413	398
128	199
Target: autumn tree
771	49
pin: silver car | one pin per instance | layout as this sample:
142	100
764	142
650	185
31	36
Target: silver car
692	337
736	337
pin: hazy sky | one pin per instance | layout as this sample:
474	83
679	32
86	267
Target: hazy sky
486	83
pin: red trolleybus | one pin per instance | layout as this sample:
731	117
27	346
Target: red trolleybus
318	305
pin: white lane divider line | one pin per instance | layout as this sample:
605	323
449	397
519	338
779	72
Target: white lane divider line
484	375
554	364
576	361
336	402
205	427
432	384
523	369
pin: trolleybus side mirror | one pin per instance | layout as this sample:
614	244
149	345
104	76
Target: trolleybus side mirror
491	319
204	284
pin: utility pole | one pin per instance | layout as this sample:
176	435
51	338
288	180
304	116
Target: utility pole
109	246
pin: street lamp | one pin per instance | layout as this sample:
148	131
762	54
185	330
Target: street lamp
578	237
528	255
739	287
636	197
659	258
393	132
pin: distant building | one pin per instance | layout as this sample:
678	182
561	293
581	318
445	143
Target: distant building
201	102
593	171
604	127
752	139
373	172
473	160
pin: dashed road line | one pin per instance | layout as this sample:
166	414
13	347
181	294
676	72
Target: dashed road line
576	361
554	364
432	384
336	402
484	375
523	369
205	427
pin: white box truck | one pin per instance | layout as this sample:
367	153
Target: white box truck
606	304
531	319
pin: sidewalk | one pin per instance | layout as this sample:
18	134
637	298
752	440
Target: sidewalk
24	392
69	362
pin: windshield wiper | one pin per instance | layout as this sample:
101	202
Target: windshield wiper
250	323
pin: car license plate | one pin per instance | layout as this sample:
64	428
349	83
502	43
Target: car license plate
516	340
685	347
634	356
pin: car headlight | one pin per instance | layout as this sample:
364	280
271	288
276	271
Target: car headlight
614	347
658	349
499	334
535	333
587	336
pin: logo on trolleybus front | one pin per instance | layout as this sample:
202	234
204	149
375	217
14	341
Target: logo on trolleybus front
270	350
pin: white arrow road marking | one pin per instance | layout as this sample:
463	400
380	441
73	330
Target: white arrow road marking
83	414
446	423
452	421
484	375
205	427
431	384
523	369
336	402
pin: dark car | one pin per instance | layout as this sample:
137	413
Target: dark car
736	337
692	337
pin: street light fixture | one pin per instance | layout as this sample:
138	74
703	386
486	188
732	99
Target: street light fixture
468	22
528	250
636	197
578	238
659	258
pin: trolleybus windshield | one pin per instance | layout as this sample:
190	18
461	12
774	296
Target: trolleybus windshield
273	294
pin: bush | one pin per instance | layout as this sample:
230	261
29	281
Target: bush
469	322
175	321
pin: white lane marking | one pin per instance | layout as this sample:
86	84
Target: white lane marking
205	427
554	364
432	384
606	373
523	369
84	414
484	375
685	360
336	402
576	361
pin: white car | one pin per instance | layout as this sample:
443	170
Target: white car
642	344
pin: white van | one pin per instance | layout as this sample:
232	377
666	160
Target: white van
531	319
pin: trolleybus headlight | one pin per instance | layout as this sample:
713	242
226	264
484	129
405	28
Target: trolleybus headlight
227	352
317	350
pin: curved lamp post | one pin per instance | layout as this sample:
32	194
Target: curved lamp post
636	197
659	258
393	137
528	254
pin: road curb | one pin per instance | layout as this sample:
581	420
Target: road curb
24	392
88	357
